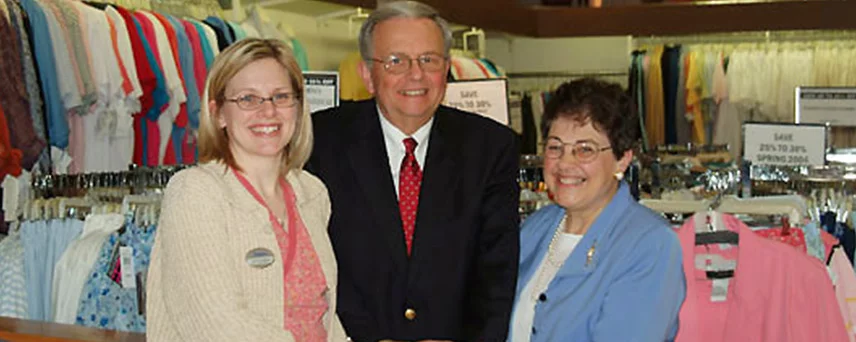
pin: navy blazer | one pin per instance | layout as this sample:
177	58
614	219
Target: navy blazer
458	282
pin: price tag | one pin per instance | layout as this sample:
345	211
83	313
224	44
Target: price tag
784	144
833	106
322	89
485	97
126	255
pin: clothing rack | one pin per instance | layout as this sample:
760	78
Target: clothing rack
137	180
541	81
747	37
730	204
569	74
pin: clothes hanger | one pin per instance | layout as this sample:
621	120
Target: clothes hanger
713	234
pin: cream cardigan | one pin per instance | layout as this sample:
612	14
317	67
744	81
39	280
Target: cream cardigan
200	287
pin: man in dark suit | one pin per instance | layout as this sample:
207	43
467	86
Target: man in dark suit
424	197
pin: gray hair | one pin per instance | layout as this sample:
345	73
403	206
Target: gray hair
401	9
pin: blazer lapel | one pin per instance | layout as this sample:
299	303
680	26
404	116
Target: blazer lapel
370	164
439	179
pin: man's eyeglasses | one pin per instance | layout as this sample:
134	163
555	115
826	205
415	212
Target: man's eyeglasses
583	151
401	63
253	102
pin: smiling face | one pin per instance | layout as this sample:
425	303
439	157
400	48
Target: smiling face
413	95
582	187
263	132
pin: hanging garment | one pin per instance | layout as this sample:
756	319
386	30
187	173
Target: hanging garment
694	91
44	242
352	87
771	279
654	113
10	157
529	140
13	285
670	75
57	127
300	54
14	98
104	302
76	265
844	279
34	92
794	237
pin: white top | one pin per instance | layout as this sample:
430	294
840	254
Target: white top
170	69
73	267
67	78
126	53
524	314
394	140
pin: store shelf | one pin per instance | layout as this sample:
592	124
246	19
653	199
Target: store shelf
32	331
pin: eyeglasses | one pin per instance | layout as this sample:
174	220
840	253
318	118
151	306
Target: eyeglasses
401	63
583	151
253	102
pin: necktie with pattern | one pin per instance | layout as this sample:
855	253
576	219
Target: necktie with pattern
409	181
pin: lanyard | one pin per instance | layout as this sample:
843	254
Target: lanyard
289	246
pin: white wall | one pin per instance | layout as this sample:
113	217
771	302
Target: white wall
559	55
327	43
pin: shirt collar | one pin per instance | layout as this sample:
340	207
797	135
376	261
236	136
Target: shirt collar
395	137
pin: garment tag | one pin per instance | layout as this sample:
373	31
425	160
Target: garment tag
114	273
128	281
105	125
61	160
11	199
720	290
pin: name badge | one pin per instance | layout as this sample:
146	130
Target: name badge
260	257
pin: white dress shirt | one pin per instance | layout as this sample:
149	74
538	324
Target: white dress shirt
394	140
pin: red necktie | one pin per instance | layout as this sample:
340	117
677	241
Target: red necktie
409	181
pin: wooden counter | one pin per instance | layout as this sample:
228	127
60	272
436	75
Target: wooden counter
17	330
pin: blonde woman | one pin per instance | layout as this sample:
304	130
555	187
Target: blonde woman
242	252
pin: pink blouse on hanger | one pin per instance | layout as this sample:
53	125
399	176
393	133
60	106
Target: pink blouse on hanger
778	293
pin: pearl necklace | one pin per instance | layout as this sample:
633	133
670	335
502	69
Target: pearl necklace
540	286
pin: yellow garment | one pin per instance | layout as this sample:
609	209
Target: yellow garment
352	87
655	114
694	89
5	11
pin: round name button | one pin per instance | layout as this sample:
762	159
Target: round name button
260	257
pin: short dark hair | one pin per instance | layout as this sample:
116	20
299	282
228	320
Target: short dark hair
606	104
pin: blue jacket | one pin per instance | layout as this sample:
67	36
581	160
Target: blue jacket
631	290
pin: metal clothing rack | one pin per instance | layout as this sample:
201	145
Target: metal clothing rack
527	81
568	74
137	180
748	37
135	192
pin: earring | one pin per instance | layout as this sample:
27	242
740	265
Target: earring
618	175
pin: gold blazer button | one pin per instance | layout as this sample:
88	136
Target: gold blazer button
410	314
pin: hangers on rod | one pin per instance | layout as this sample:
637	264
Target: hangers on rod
713	235
359	15
480	41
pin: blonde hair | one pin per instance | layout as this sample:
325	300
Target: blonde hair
213	140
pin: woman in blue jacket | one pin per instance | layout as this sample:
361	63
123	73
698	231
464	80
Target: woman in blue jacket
596	265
